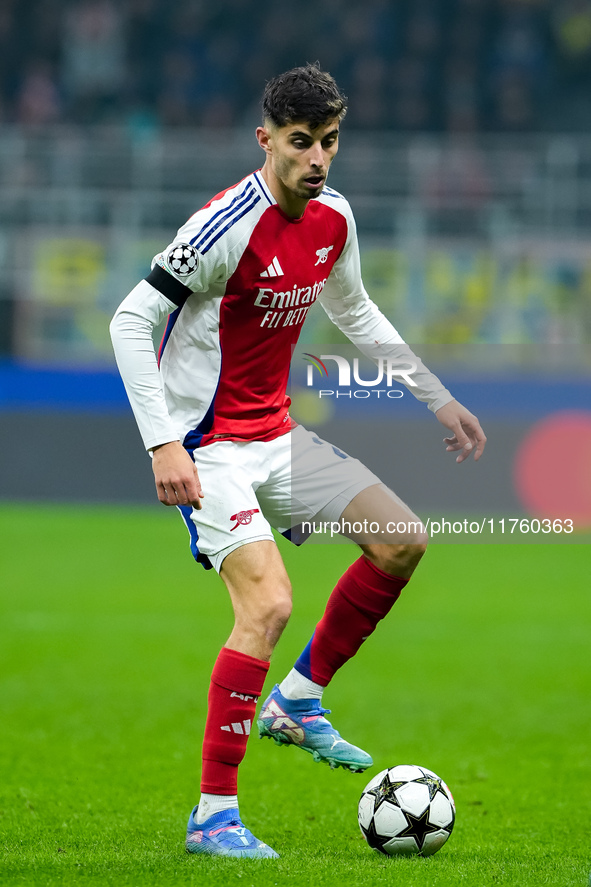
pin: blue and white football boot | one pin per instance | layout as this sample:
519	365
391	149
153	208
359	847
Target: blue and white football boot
224	834
301	722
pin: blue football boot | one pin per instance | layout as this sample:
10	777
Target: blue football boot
301	722
223	834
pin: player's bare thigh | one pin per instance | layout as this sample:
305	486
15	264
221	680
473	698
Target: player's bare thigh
386	530
260	591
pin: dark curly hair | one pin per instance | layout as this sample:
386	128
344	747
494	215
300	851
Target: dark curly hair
303	94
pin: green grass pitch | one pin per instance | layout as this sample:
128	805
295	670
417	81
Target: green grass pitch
108	633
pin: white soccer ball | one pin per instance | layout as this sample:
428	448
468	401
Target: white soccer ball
406	811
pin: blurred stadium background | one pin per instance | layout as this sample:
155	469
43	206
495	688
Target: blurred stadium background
466	157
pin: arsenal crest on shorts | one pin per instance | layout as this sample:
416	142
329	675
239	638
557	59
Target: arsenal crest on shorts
243	517
183	259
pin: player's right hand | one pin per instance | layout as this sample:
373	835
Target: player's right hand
175	474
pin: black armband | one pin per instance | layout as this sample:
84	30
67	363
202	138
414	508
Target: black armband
169	286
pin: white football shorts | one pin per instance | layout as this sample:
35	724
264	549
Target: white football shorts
251	486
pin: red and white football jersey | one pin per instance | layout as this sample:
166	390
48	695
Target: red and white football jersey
238	282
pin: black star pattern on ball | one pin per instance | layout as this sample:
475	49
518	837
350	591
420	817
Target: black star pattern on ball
433	783
375	841
418	828
385	792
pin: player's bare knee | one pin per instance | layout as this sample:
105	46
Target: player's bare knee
397	560
407	557
273	615
279	611
261	618
273	601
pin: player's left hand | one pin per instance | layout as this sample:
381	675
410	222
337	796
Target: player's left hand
468	436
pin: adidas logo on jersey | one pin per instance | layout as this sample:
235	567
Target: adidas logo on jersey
274	269
241	728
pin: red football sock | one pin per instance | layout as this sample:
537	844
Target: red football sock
362	596
236	684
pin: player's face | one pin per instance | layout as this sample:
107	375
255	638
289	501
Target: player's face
298	160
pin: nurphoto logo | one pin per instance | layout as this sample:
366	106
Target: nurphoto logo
387	372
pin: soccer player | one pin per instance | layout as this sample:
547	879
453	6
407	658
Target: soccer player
236	283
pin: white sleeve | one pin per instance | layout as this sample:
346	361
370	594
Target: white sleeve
177	272
131	333
348	305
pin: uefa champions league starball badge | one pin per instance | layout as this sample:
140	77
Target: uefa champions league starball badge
183	259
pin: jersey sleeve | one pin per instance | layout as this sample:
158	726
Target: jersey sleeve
348	305
131	333
177	273
187	266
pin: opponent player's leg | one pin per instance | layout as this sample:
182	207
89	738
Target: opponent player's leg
260	592
362	597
